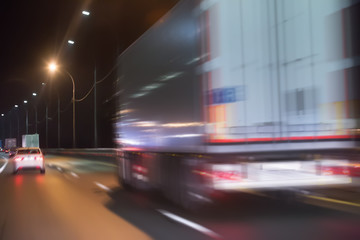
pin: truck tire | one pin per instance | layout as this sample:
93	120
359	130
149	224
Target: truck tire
182	187
124	165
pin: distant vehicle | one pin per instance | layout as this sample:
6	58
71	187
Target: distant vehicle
29	158
10	142
222	96
12	151
6	150
30	140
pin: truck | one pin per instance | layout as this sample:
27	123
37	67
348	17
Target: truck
232	96
10	143
30	140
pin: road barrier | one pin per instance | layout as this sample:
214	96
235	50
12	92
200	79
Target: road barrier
103	154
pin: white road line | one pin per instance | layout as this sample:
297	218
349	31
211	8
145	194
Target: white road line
74	175
4	166
59	169
103	186
188	223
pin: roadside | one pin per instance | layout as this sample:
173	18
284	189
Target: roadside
3	162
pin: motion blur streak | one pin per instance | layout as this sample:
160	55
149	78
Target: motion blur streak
191	224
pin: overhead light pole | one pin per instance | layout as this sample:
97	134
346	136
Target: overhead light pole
36	116
18	124
53	68
27	117
86	13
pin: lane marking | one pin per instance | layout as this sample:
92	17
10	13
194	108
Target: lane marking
334	200
74	175
190	224
59	169
108	164
103	186
3	167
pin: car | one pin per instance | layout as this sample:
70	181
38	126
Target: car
6	150
12	151
29	158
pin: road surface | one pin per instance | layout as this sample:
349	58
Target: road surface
81	199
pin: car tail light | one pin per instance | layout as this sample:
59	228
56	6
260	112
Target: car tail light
221	175
39	158
139	169
334	170
18	159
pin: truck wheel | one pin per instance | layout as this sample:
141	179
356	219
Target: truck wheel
126	186
42	171
15	172
193	196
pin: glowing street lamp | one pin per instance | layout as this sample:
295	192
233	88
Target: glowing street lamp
53	68
87	13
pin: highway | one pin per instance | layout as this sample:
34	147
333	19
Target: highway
81	199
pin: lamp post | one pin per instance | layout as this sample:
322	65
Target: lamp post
53	67
18	124
58	105
26	118
36	119
86	13
2	127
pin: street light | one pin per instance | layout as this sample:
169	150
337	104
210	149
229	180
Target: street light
27	117
18	124
87	13
36	119
52	68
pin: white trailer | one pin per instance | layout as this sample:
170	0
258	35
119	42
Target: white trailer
232	95
30	140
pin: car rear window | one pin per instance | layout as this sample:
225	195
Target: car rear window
28	151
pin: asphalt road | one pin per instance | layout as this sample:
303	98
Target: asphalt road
81	199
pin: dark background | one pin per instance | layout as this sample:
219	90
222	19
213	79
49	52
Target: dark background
35	32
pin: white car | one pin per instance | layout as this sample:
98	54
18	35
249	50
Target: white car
29	158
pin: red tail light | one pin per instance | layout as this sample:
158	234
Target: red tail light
39	158
334	170
221	175
139	169
18	159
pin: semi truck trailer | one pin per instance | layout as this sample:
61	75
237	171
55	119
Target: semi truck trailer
229	96
30	140
10	143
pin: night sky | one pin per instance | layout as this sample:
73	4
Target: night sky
35	32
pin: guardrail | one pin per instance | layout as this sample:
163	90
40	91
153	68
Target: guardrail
103	154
